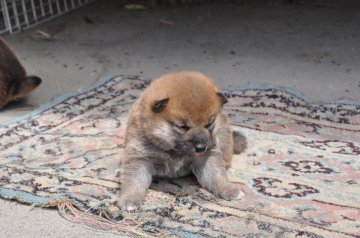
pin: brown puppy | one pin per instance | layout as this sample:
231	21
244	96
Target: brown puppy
14	83
175	128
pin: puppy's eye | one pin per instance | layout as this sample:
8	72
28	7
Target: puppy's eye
209	124
182	127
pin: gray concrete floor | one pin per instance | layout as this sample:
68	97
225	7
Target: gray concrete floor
312	48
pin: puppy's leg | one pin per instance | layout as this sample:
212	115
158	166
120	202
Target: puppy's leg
135	180
211	174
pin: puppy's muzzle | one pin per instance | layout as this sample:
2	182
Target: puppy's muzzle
200	140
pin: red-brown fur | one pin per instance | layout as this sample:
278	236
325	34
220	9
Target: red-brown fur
175	128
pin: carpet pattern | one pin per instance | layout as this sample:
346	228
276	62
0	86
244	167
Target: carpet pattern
300	172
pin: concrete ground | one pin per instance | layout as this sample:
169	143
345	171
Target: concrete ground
313	48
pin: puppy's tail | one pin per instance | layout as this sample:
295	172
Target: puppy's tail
240	142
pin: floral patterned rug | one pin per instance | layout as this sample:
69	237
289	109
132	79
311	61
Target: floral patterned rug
300	172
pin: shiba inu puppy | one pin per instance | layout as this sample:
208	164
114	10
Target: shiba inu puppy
14	83
175	128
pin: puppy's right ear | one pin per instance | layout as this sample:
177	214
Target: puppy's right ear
222	98
159	105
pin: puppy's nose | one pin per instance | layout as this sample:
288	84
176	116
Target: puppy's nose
199	148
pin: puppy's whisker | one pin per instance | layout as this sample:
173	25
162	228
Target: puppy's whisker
206	148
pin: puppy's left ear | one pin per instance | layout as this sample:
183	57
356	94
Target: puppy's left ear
159	105
223	99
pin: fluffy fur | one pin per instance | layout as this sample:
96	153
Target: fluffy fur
176	128
14	83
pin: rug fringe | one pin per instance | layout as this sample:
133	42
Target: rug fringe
71	213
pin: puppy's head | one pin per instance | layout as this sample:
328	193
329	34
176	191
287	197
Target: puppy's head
183	108
21	88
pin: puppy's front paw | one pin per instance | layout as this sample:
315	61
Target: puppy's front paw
230	192
240	195
129	205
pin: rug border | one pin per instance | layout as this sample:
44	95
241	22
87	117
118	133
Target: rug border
294	92
31	199
61	97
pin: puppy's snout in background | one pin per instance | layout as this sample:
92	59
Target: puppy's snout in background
33	80
25	86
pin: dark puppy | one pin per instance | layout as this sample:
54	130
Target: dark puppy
14	83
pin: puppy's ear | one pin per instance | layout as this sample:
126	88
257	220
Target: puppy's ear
159	105
223	99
